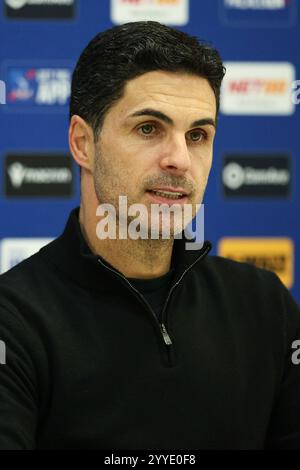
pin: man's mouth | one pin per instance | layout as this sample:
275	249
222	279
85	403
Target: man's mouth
168	194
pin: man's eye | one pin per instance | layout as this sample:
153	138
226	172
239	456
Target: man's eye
146	129
197	136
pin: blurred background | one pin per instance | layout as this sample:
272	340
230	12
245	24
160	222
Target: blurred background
252	202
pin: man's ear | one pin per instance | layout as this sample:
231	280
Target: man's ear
81	142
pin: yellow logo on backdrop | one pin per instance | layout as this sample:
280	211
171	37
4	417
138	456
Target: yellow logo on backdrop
274	254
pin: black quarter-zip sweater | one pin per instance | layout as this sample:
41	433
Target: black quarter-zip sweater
90	365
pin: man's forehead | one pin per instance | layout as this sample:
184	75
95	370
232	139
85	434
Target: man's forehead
170	92
168	85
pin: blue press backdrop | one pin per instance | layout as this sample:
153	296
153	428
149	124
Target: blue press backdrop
61	41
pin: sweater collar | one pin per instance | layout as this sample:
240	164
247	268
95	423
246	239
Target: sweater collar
73	256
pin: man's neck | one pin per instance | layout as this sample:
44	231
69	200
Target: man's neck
140	259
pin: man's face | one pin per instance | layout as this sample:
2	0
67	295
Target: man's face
156	142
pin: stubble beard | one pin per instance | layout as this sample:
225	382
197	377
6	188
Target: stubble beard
109	185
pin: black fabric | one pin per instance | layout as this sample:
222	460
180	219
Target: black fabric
155	290
90	366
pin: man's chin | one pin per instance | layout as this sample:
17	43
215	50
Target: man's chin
165	231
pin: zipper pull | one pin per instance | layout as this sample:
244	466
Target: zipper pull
165	334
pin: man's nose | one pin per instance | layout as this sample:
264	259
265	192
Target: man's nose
176	157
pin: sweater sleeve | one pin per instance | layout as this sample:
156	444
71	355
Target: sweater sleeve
18	385
284	427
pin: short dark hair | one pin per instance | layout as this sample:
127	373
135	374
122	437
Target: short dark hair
124	52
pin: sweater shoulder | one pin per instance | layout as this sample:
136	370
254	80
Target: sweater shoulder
238	270
226	263
29	274
241	280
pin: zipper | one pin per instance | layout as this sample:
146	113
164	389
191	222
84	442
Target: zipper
162	326
165	334
164	310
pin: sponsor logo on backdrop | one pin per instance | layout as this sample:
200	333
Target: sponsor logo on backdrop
38	87
2	92
40	9
15	250
258	13
274	254
174	12
256	175
258	88
39	175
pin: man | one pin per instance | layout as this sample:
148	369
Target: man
119	342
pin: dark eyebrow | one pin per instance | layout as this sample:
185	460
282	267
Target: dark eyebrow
168	120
